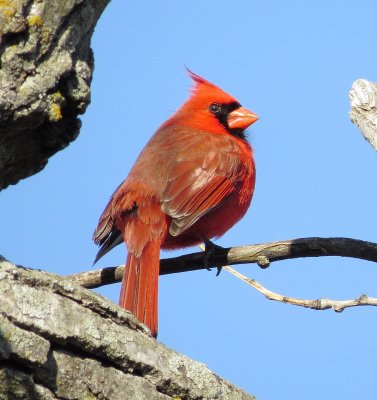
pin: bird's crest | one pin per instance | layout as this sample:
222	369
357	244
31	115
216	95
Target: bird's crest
206	89
198	79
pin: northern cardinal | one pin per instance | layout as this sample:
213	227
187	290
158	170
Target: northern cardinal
192	182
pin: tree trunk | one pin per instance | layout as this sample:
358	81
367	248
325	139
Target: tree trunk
60	341
46	67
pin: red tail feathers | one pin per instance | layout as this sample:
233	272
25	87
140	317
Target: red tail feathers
139	293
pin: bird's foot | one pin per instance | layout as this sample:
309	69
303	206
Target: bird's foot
209	249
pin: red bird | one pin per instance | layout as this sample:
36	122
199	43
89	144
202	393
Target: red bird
192	182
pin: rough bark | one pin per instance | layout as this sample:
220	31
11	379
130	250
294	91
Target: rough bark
363	97
46	67
60	341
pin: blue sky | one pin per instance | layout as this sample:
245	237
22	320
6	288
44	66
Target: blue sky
293	64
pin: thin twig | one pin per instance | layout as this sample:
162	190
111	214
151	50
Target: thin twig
318	304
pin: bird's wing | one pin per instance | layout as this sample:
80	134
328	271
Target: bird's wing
197	186
107	234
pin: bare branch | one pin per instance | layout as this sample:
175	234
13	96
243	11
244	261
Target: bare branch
98	277
363	97
318	304
261	254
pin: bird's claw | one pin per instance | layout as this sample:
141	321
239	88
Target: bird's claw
209	249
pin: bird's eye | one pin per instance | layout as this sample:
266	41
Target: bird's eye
215	108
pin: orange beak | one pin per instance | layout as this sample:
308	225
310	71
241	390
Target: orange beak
241	118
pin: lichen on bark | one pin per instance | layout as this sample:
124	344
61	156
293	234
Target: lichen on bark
46	66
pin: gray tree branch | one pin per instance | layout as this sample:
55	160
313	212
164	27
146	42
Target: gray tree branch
61	341
363	97
46	67
315	304
261	254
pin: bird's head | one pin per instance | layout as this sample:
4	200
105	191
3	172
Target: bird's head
210	108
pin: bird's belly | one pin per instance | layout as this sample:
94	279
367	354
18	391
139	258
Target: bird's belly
212	225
